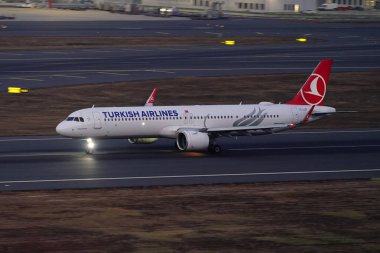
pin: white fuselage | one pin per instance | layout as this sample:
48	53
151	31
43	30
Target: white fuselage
164	121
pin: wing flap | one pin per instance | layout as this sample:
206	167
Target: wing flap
247	128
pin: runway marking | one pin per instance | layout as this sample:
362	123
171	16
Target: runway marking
159	71
175	49
69	76
261	61
134	49
293	56
48	59
187	176
25	79
42	154
212	33
202	27
32	139
184	69
129	28
330	132
11	53
165	33
96	51
55	52
115	74
305	147
348	37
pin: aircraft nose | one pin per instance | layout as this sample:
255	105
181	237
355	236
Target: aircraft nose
61	129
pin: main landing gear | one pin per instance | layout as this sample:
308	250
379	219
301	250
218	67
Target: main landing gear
214	149
90	146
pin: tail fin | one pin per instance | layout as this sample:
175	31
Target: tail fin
150	100
314	89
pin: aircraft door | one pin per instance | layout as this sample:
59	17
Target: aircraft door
97	120
295	115
187	116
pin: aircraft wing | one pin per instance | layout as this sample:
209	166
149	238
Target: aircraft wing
240	131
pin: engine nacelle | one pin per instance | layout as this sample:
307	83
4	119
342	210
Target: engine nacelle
192	140
142	140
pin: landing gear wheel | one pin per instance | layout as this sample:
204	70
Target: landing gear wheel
215	149
89	151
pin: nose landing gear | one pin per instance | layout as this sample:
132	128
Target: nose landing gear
90	146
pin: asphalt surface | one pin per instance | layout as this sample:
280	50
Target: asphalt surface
33	163
354	47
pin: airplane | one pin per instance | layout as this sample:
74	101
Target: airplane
196	127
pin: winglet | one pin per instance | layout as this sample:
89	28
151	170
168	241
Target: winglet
306	119
151	98
314	90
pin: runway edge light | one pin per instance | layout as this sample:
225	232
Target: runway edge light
301	40
229	42
17	90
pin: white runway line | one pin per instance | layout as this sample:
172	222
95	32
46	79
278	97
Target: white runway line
69	76
331	132
17	54
47	59
55	52
129	28
111	73
305	147
96	51
187	176
35	139
25	79
159	71
134	49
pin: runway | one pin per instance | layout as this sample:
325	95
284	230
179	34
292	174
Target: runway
354	47
33	163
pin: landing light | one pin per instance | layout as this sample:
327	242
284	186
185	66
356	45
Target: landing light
90	143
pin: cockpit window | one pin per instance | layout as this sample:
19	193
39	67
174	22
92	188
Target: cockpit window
77	119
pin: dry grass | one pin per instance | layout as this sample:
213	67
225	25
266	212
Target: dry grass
43	109
38	43
283	217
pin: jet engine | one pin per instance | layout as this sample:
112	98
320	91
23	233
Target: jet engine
142	140
192	140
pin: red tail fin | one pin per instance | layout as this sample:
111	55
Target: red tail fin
314	90
151	98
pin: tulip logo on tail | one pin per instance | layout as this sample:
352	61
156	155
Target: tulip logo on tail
314	91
